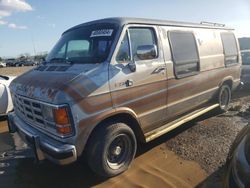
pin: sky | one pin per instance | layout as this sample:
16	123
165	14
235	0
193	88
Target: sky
32	26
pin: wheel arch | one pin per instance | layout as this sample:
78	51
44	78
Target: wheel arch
127	119
228	81
122	116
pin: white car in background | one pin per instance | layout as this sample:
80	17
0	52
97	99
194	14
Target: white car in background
2	64
6	104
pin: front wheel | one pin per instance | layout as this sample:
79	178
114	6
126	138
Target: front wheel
111	149
224	98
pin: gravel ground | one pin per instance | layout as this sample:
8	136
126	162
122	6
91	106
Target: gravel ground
208	140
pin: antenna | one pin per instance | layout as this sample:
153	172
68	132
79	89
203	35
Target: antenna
212	23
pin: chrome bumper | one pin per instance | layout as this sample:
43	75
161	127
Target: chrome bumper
43	146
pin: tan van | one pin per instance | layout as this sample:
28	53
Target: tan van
111	83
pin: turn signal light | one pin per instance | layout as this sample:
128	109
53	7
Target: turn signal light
62	121
64	130
61	116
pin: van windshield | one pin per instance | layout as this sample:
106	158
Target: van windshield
88	44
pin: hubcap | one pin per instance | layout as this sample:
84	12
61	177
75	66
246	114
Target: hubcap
119	151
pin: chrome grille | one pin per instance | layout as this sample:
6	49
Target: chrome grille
31	112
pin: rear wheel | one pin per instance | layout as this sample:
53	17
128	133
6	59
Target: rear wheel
224	98
111	149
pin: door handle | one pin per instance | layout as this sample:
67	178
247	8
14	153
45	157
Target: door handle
129	83
158	70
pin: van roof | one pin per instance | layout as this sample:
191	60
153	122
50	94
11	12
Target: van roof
129	20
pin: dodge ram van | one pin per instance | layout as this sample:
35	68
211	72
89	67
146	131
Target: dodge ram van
112	83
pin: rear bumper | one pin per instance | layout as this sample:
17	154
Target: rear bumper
43	146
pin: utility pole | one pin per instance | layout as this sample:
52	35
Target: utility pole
33	44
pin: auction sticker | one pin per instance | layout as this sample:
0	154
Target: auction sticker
102	33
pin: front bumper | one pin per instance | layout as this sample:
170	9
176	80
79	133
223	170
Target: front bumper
43	146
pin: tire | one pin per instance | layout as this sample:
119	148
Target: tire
224	98
111	149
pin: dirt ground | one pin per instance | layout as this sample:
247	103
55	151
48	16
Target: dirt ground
14	71
193	155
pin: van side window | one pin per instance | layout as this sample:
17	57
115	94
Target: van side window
184	53
124	53
141	37
230	48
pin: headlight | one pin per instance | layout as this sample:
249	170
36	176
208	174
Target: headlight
48	113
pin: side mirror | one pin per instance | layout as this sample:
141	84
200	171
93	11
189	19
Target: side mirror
132	66
146	52
4	77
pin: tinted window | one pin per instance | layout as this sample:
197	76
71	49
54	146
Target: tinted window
123	53
141	37
184	52
230	48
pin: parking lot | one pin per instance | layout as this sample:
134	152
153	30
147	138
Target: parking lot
194	155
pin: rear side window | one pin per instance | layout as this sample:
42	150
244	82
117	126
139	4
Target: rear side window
230	48
184	53
141	37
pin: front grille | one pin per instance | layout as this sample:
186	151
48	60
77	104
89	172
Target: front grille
31	112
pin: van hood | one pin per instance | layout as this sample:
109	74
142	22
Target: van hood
59	84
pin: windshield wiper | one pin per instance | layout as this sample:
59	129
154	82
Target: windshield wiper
60	60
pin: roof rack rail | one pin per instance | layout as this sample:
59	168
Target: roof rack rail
213	24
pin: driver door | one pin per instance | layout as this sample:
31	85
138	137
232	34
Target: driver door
138	80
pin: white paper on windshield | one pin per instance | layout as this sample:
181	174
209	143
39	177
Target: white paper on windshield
102	33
